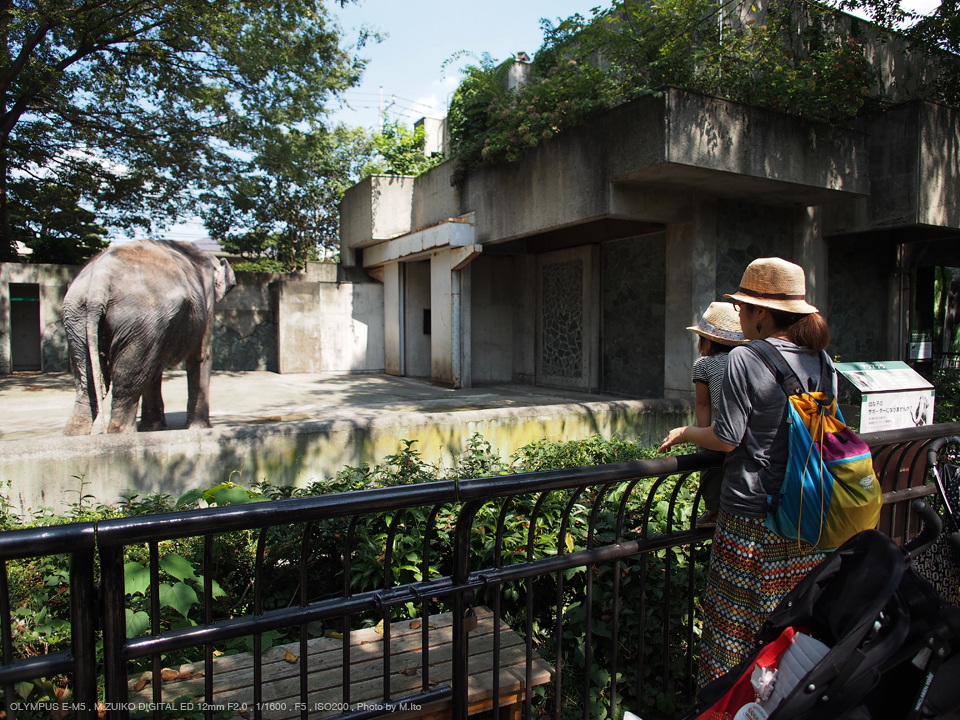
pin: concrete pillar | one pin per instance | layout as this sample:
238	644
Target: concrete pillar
393	319
441	318
811	254
691	285
463	370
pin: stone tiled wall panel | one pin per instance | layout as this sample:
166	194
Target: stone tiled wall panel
633	315
746	232
858	307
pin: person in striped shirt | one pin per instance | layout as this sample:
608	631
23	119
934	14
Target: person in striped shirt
718	330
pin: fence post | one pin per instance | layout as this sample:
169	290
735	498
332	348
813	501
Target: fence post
461	569
83	613
114	631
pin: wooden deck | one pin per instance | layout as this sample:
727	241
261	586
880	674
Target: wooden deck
233	674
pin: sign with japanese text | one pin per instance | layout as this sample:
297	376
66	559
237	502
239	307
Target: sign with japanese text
892	395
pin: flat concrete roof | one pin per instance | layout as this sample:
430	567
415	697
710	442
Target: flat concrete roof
37	405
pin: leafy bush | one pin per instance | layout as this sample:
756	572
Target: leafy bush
797	61
946	382
503	531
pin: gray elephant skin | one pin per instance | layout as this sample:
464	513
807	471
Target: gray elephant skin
135	310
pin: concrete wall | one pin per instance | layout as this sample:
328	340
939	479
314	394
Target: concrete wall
45	472
377	208
344	319
245	324
53	281
494	293
914	172
417	299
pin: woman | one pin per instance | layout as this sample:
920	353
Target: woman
751	567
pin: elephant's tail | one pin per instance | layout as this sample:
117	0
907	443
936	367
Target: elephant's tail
96	307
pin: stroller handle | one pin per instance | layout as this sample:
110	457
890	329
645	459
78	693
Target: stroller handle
934	447
930	532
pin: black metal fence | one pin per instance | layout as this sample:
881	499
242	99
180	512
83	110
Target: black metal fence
597	569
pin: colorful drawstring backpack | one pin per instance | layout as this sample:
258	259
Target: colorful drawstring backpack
830	491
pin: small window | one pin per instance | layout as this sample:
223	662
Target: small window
426	321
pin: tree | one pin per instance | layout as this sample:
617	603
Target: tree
134	107
401	151
50	221
282	205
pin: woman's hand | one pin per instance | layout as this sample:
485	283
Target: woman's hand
706	438
673	437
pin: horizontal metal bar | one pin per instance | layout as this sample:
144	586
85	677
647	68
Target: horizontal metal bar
40	666
918	491
231	518
51	540
286	617
491	487
924	432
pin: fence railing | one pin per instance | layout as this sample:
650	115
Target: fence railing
597	569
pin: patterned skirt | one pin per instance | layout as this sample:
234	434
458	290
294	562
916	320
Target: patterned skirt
751	569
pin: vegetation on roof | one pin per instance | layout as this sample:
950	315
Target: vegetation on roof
795	57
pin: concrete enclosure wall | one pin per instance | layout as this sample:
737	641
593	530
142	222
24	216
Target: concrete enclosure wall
47	472
298	322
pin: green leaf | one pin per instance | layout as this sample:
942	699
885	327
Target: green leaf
179	597
189	497
178	566
24	689
136	578
232	495
137	623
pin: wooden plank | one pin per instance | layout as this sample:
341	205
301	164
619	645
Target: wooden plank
281	678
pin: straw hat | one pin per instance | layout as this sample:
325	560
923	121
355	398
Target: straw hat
774	283
720	323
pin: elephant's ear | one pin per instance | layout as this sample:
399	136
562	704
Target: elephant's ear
224	280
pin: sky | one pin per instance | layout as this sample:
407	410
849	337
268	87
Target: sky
408	64
407	69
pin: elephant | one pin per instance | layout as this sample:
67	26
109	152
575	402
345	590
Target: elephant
135	310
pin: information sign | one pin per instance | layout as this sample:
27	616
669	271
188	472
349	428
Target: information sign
892	395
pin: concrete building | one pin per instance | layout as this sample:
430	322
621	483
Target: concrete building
581	266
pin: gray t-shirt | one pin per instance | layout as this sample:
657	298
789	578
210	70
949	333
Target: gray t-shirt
750	418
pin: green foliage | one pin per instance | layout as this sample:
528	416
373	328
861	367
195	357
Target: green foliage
41	594
401	151
280	208
946	383
795	62
138	107
48	219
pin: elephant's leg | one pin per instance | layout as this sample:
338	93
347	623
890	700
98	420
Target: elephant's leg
81	420
152	416
199	365
129	382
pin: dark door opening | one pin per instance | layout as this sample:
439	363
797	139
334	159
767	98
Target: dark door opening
25	326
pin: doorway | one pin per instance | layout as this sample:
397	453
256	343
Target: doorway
25	326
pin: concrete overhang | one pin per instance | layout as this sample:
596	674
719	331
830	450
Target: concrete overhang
731	186
733	151
451	233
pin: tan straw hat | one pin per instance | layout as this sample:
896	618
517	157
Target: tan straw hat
774	283
720	323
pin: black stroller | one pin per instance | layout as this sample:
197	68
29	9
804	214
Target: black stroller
891	644
940	565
